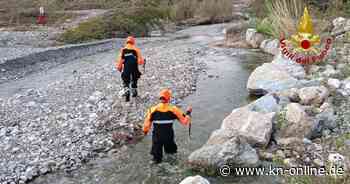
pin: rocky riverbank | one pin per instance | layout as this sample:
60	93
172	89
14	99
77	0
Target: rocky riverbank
75	115
301	118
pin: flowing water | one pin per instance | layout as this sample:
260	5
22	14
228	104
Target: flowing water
220	89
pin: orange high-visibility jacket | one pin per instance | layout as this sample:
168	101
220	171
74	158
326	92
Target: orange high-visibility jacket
120	61
164	113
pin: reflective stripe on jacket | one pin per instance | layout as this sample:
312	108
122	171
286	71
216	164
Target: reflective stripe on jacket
164	113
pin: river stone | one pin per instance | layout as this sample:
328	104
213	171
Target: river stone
195	180
270	78
326	120
96	97
330	71
334	83
254	38
291	94
256	127
313	95
297	124
224	147
270	46
293	68
340	24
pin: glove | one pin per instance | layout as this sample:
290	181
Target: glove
145	132
189	110
119	68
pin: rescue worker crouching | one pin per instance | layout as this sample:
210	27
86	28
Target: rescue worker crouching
129	59
162	116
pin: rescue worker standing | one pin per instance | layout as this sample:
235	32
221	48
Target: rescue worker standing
162	116
129	59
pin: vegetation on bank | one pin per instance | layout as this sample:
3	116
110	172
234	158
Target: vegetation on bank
276	17
140	17
137	17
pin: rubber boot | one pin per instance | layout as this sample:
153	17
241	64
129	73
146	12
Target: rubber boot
134	92
127	96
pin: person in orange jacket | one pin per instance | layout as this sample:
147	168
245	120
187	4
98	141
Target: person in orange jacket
162	116
129	59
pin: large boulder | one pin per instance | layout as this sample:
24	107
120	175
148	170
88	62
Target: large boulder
255	127
270	46
292	67
296	124
254	38
314	95
270	78
195	180
224	147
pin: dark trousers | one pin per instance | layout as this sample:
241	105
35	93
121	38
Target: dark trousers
130	78
163	137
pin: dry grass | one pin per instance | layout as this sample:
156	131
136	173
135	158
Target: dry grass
207	9
213	9
184	9
285	14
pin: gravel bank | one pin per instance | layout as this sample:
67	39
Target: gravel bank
30	60
65	116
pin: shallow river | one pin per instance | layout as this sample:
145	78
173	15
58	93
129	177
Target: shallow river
220	89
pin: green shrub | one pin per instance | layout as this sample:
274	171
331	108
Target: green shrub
137	21
265	26
87	31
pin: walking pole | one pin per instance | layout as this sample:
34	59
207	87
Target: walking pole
189	130
190	123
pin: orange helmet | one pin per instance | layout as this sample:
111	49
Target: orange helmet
165	95
130	40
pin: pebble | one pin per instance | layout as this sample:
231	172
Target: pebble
318	162
280	154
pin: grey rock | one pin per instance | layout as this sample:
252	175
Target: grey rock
96	97
280	154
270	46
324	121
195	180
255	127
270	78
254	38
32	104
266	104
291	94
340	25
293	68
297	124
313	95
307	141
330	71
290	162
336	159
318	162
224	148
334	83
